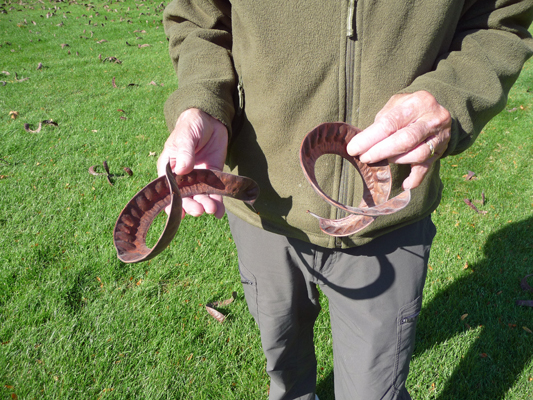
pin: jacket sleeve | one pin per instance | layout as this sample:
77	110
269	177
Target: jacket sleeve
199	34
472	80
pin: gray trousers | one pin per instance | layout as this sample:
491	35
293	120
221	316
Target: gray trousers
375	296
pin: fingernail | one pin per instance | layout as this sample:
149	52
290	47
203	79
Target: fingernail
365	158
353	150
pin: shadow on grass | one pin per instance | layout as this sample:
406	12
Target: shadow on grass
487	293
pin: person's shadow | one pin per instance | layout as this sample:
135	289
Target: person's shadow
487	292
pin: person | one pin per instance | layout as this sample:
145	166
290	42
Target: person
422	78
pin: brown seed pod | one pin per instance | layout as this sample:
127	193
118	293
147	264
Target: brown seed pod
332	138
132	225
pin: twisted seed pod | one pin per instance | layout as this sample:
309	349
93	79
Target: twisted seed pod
132	225
332	138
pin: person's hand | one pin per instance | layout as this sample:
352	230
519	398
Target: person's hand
197	141
410	129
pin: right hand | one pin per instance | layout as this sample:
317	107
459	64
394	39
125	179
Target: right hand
197	141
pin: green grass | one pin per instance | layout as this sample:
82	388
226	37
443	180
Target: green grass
77	323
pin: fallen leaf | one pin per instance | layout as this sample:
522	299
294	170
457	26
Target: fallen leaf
463	316
6	73
14	396
63	45
512	110
527	329
466	265
114	84
101	41
152	154
483	355
140	46
512	325
40	66
14	114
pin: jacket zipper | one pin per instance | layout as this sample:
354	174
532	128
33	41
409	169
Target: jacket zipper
349	76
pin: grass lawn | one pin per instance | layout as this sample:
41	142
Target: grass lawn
77	323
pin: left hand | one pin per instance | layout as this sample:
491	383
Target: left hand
411	128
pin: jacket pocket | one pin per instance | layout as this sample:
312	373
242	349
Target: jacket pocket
406	329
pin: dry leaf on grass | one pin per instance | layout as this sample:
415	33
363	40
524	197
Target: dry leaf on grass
14	114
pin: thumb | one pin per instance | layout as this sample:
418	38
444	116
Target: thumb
182	153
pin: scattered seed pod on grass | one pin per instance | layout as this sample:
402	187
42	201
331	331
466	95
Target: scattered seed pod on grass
27	128
210	307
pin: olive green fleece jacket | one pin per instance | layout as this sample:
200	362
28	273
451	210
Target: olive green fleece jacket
271	70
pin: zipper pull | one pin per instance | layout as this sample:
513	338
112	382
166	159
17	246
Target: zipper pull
240	94
350	20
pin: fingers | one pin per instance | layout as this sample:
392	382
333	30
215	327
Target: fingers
410	129
197	141
415	178
199	204
401	126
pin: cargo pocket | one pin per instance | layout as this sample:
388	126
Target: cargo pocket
406	329
249	285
